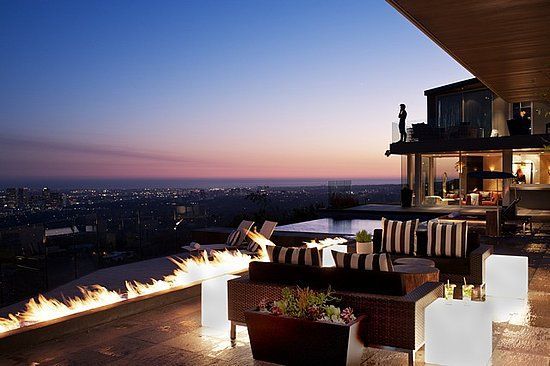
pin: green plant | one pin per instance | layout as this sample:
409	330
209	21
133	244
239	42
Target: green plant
308	304
363	237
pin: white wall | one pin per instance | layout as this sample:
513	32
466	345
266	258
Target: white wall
500	116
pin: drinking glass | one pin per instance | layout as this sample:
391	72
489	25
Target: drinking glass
449	291
467	292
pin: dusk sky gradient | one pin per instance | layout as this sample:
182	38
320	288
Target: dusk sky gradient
209	89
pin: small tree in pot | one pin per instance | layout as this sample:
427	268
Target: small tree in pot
364	242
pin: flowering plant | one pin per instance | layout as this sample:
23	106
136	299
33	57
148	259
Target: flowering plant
308	304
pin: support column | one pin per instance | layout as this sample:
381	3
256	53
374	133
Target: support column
431	176
418	189
410	171
507	168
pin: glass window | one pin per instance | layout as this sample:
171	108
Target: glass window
478	110
449	110
518	107
531	168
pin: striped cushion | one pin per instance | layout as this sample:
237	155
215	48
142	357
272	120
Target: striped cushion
447	240
307	256
399	236
374	261
234	239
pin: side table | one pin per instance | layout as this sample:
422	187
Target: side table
458	332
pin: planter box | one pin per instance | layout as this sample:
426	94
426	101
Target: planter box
364	248
292	341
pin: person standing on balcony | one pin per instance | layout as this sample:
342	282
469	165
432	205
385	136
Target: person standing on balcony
402	117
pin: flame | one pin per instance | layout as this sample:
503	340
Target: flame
188	271
9	324
48	309
263	242
192	270
326	243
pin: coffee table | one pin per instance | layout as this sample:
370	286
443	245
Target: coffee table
415	276
414	262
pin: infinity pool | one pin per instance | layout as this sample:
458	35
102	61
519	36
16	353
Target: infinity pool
332	226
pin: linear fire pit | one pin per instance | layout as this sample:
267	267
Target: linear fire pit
48	330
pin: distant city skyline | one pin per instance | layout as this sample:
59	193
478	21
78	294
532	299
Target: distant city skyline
235	90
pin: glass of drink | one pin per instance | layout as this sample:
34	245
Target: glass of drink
467	292
449	291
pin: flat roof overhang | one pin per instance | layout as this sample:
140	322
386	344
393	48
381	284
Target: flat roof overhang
471	144
505	44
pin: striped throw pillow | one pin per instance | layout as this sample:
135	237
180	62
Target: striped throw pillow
234	239
307	256
399	236
374	261
447	240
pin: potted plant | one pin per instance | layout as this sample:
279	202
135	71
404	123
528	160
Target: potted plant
304	327
363	241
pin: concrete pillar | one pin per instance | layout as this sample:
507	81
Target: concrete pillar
410	171
431	176
507	168
500	116
418	188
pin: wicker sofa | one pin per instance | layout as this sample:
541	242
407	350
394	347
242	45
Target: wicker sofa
472	267
394	318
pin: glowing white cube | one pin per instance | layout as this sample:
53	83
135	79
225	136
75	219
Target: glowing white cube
506	276
458	333
214	302
328	260
505	309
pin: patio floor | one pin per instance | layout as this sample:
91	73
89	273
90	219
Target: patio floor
172	335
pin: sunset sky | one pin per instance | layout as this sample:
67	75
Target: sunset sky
209	89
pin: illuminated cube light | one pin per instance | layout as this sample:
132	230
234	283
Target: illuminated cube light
214	302
328	260
505	309
506	276
458	333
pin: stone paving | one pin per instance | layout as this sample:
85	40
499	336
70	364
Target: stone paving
172	335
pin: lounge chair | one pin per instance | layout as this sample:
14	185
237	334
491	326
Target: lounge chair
251	249
234	240
266	231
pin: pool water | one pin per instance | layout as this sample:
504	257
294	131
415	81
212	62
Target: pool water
332	226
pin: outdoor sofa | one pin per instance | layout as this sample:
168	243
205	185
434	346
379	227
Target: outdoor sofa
394	318
472	267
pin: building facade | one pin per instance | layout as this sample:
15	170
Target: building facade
471	129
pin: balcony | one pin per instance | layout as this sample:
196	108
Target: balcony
422	138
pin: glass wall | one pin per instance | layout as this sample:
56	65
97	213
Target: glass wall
465	114
446	179
478	190
449	110
531	167
478	110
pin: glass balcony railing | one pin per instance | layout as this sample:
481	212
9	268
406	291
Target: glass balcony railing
418	132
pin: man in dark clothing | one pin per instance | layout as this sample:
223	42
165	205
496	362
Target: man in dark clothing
402	117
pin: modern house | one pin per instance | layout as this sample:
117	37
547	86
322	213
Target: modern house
498	121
